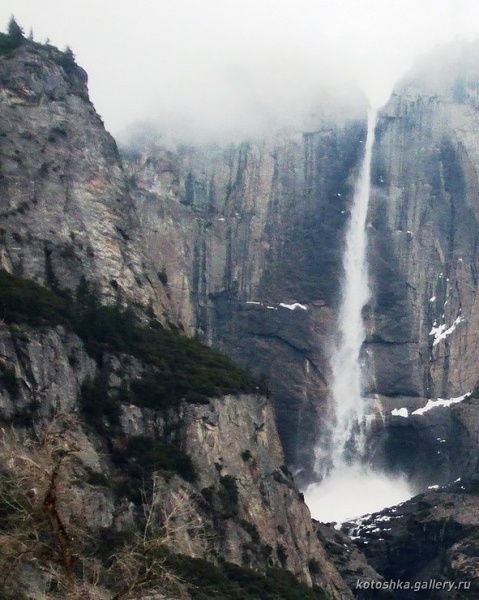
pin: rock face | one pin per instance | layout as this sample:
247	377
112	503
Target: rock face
69	434
430	442
243	504
66	209
350	561
428	541
249	240
423	222
423	233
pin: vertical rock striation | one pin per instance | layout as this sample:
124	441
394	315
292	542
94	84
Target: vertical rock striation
249	239
423	232
423	323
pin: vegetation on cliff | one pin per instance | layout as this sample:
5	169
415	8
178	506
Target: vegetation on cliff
12	39
181	368
44	492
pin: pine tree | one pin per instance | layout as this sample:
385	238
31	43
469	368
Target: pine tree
67	61
15	31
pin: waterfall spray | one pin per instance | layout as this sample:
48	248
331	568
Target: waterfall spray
349	488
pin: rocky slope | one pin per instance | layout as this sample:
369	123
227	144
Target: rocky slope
426	547
241	504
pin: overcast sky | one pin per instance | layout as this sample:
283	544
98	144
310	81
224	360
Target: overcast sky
211	63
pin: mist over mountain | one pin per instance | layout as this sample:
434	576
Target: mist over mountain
199	63
449	68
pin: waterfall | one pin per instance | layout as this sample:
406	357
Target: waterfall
349	487
347	438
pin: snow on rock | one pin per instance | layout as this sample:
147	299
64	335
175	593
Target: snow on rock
440	402
400	412
440	332
294	306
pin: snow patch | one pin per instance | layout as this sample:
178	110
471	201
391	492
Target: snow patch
282	304
440	402
400	412
442	331
293	306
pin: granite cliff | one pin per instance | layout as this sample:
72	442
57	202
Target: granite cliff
264	223
423	230
423	227
249	240
134	461
66	208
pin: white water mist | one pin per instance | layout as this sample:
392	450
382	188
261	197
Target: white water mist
350	488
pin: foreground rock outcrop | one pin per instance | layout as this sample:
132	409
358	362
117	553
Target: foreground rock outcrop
232	498
426	547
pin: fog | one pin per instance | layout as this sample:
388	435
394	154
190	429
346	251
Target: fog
232	67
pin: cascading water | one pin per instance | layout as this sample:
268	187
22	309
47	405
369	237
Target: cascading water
346	388
349	488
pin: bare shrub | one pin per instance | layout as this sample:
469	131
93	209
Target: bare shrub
42	528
